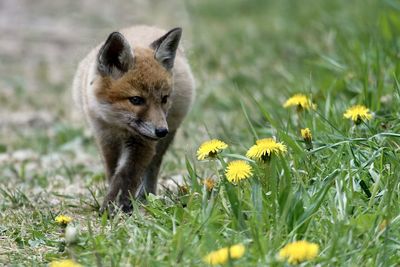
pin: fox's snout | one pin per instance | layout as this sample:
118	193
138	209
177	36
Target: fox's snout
150	129
154	120
161	132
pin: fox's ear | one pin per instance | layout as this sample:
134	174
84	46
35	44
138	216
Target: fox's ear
115	56
165	47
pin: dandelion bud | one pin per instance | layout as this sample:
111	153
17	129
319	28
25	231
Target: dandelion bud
383	225
307	137
209	183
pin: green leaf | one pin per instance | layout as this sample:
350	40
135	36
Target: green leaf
364	222
297	149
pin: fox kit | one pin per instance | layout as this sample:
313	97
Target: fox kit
134	90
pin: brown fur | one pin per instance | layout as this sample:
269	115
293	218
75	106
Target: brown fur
147	75
123	131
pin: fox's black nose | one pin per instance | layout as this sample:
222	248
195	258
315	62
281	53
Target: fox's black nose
161	132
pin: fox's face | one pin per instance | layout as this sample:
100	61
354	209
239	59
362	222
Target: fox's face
135	86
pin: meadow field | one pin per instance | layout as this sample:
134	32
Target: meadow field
336	191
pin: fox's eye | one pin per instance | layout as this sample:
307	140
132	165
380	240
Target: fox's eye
164	99
137	100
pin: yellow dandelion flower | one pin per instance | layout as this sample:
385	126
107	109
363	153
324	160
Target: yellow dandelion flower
264	148
299	251
238	170
63	219
210	149
209	183
64	263
300	101
222	255
358	113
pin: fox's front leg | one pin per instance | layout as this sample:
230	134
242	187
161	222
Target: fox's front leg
110	151
135	156
151	175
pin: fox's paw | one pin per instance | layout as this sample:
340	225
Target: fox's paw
112	208
126	206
